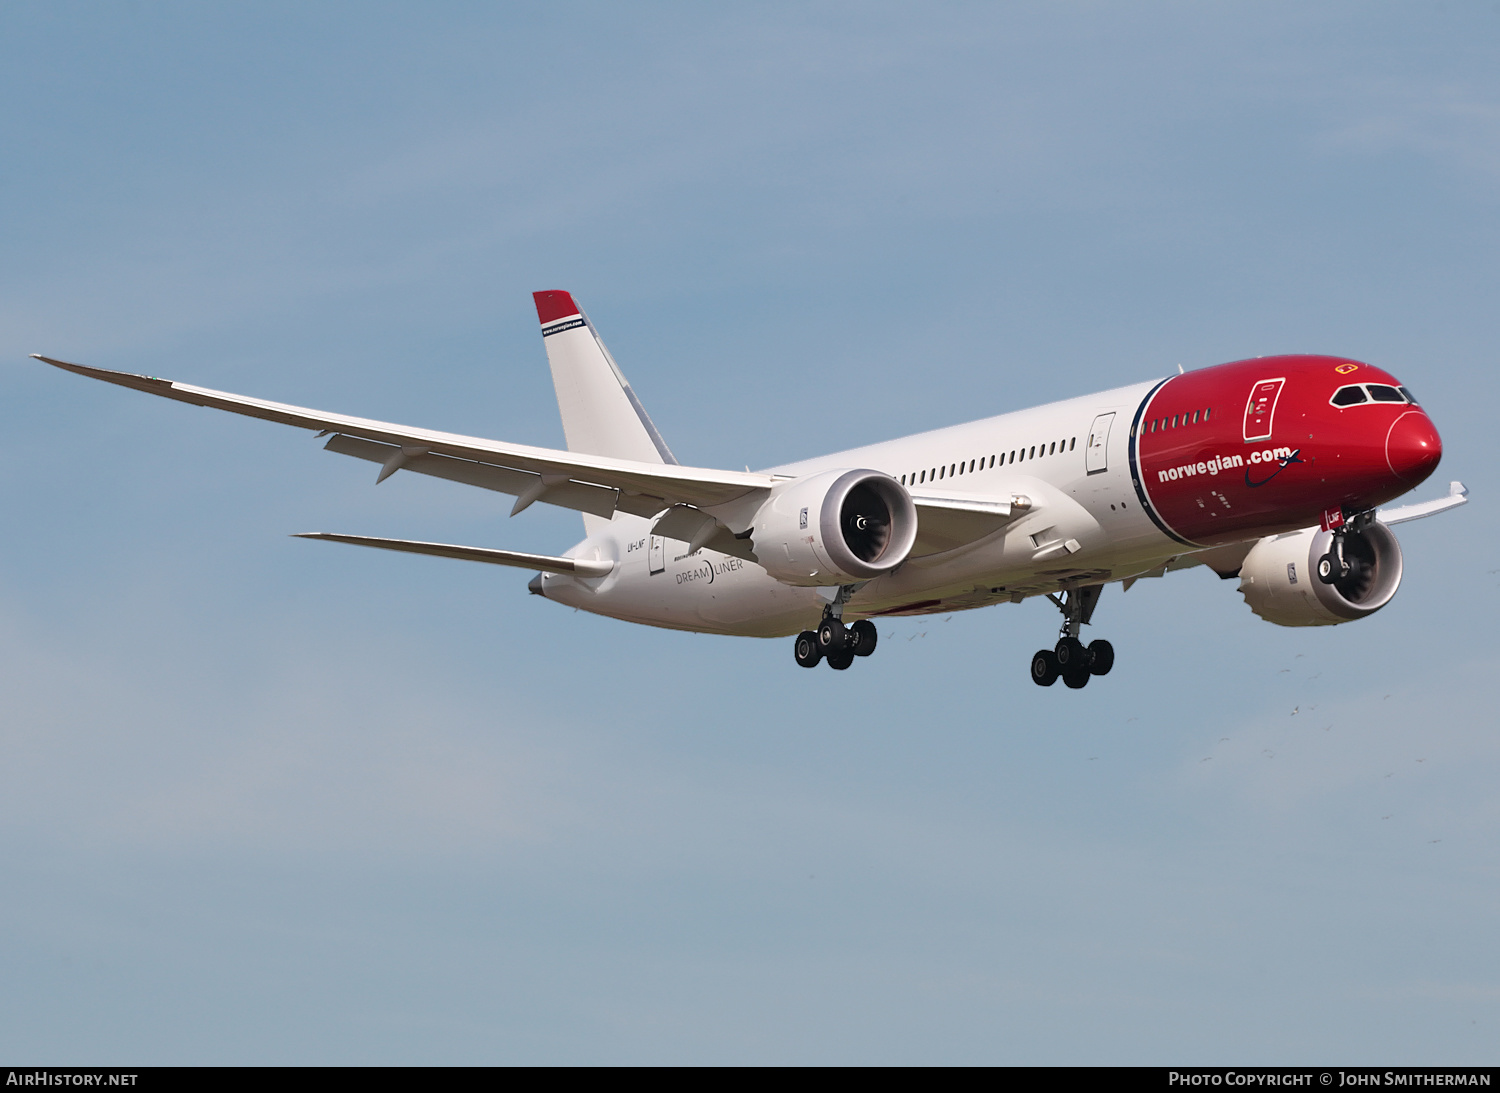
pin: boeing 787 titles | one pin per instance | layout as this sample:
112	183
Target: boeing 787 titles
1271	470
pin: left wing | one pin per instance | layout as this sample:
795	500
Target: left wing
588	483
533	473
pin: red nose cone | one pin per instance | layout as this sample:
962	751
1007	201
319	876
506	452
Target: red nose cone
1412	447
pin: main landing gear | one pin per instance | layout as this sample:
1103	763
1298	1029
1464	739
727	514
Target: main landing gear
832	640
1070	658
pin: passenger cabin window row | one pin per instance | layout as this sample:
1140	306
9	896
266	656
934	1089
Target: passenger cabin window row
1356	393
1176	421
1019	455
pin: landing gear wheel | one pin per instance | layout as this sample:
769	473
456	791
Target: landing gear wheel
1044	670
1071	655
839	661
1101	657
807	650
832	637
1329	570
1077	678
862	637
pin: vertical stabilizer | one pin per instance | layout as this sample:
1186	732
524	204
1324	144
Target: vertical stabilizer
600	413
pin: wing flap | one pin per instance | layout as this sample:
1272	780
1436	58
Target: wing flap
580	496
948	521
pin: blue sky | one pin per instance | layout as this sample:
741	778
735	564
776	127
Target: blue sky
264	800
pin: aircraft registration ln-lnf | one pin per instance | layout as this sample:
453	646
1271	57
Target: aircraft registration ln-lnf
1271	470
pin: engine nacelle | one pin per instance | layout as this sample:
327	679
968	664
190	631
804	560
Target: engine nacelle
1279	579
836	527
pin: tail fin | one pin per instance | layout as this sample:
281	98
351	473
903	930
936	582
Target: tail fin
600	413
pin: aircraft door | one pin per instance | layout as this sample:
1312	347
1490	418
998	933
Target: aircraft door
1096	456
1261	408
657	557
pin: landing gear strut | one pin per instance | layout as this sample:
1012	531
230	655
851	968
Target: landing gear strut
1070	659
832	640
1334	566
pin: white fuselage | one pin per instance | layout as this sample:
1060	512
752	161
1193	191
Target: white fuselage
1086	525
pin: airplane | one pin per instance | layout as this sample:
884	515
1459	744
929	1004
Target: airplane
1272	470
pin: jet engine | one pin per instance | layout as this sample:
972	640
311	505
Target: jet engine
1279	578
836	527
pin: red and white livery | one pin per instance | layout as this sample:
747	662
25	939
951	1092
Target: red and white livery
1272	470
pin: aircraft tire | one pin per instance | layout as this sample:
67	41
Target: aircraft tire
833	637
1329	570
1071	654
806	650
1044	670
841	660
1077	679
863	637
1101	657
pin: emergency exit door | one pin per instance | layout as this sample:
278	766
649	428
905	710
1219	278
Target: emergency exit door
1096	456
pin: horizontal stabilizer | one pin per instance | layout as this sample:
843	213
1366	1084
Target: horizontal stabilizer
548	564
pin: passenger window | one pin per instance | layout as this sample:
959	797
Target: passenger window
1052	450
1072	444
1207	412
992	461
1348	396
1382	393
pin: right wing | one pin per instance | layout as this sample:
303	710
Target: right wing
1457	495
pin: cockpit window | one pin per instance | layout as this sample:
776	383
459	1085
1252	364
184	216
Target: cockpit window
1409	396
1356	393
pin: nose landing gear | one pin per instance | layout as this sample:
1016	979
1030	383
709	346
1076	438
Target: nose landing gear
1071	660
1340	562
832	640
